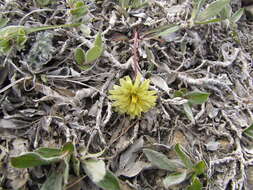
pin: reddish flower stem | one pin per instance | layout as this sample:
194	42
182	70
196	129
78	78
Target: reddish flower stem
135	66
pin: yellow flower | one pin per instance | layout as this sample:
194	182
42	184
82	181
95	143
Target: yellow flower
133	98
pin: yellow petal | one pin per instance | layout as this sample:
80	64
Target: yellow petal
132	98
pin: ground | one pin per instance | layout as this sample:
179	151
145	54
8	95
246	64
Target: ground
50	96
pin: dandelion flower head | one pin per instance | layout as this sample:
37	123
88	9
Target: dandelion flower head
133	98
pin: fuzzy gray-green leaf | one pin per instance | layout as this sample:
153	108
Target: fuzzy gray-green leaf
188	112
3	21
96	51
161	161
79	9
168	31
183	156
212	10
174	179
109	182
97	172
198	4
249	131
237	15
53	182
79	55
98	40
196	184
196	97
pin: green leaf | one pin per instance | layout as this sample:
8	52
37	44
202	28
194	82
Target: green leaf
96	171
183	47
174	179
124	3
226	12
196	97
198	4
183	156
139	4
109	182
66	170
79	10
94	155
71	3
21	38
200	168
42	156
55	152
30	30
3	21
212	10
49	152
161	161
215	20
96	51
16	35
196	184
180	93
249	131
237	15
10	35
86	30
32	159
235	36
53	182
75	165
98	40
188	112
92	54
132	3
43	2
84	67
68	147
154	33
168	31
79	55
5	46
10	32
